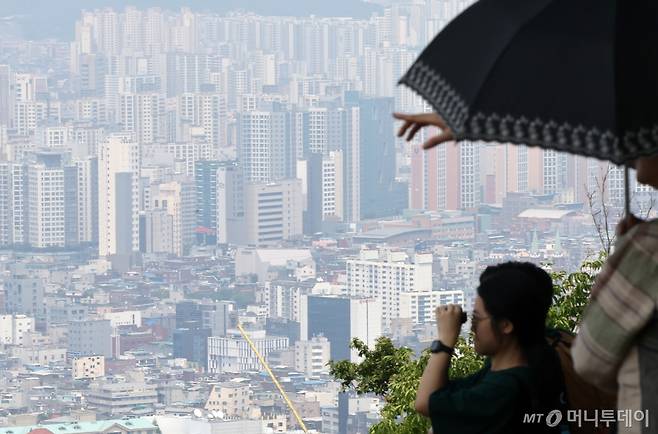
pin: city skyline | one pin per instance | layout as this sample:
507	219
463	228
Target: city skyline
171	176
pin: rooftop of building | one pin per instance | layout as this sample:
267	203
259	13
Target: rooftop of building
387	234
543	213
130	425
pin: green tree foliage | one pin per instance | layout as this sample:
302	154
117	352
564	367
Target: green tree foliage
374	373
393	373
571	294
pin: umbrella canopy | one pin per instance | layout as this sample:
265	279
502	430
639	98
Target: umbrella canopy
579	76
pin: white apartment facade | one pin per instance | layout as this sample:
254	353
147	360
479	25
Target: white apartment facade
118	197
124	318
332	185
176	200
118	398
273	212
46	206
233	354
312	356
87	206
385	275
421	305
233	400
13	329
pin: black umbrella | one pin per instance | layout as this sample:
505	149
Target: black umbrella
579	76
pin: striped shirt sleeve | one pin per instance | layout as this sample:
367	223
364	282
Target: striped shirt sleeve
623	302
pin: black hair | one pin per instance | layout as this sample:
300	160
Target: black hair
522	293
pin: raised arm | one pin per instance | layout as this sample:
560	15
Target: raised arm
435	376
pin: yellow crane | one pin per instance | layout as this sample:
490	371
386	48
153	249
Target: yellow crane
273	377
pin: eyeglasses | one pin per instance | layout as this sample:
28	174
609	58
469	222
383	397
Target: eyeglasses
475	319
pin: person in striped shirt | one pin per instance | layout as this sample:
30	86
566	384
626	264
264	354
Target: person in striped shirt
617	344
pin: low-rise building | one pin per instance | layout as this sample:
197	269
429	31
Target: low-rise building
119	398
90	338
90	367
233	353
39	355
13	329
312	356
125	318
231	399
140	425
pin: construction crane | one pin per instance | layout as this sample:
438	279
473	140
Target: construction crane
273	377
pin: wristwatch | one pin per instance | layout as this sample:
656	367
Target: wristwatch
438	346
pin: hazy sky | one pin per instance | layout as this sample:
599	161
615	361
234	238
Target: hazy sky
48	18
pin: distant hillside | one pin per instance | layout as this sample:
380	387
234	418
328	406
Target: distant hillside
55	18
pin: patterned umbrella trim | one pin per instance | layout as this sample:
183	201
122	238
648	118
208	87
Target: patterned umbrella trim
493	127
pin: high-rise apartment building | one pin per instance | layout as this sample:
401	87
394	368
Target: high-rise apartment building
265	146
332	185
185	72
28	115
46	206
143	114
380	194
118	197
205	178
6	218
208	111
272	212
322	181
173	202
18	201
87	197
52	200
24	294
352	165
191	151
446	177
229	204
6	99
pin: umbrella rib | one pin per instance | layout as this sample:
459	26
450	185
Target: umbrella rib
505	48
430	84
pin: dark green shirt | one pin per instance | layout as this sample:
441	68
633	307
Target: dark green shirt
486	402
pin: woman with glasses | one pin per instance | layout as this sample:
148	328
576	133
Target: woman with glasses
522	374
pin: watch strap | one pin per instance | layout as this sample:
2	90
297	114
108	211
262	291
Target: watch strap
439	347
